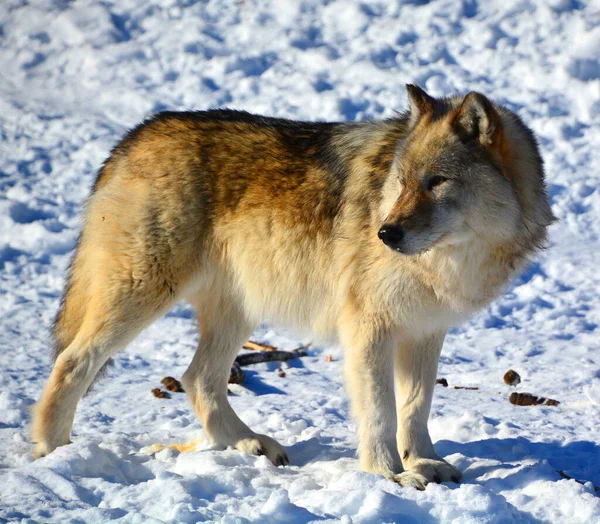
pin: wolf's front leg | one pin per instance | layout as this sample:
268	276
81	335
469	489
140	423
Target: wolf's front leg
370	382
416	371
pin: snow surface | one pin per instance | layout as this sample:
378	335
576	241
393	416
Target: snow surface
75	75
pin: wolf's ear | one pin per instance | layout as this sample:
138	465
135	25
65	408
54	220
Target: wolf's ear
420	103
477	118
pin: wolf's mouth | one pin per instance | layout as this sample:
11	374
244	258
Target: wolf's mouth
404	250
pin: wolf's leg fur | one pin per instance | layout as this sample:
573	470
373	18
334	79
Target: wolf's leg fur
416	370
224	328
73	372
370	383
106	328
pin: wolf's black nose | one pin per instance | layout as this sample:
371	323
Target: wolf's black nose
391	235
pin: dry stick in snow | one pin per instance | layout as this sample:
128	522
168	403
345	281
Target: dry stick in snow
237	374
256	346
269	356
568	477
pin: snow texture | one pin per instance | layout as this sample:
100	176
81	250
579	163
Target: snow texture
75	75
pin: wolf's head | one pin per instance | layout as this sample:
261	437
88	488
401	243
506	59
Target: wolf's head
465	170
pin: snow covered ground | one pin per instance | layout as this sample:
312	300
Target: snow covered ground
75	75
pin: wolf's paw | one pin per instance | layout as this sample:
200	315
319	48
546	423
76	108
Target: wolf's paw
410	479
43	448
263	445
436	470
40	450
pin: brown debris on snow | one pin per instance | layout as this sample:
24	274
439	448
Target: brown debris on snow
172	384
512	378
527	399
159	393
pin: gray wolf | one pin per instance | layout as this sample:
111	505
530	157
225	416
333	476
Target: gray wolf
380	235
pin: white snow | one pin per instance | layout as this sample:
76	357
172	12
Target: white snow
75	75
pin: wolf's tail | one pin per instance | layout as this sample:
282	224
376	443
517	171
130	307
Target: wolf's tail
72	306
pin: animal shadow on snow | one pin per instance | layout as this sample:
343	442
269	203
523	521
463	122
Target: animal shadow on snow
578	459
254	383
254	379
317	449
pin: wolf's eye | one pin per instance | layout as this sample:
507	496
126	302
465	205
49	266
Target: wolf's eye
435	181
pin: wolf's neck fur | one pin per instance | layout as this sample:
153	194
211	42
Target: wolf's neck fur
469	276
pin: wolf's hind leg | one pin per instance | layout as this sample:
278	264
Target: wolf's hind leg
98	338
112	318
224	329
73	372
